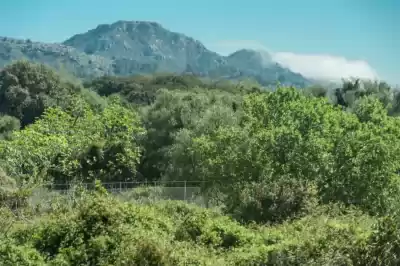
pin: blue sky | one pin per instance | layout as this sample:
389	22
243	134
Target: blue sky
313	37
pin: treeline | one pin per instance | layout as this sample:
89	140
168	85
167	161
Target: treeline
300	176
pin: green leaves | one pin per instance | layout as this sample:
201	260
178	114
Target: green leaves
27	89
57	146
351	158
172	119
12	254
101	230
8	124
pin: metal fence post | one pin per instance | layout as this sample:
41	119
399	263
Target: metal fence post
184	195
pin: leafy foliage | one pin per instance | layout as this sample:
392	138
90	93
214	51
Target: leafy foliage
99	230
286	135
272	202
26	90
8	124
175	115
75	145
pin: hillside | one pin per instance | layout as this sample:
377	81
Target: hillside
56	55
146	43
259	65
138	47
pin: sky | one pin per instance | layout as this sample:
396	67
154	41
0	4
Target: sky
322	39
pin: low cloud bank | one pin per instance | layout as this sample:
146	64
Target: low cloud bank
316	66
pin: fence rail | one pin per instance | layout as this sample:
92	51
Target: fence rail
142	192
126	185
189	191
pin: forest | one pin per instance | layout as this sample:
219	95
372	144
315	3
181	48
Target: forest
292	176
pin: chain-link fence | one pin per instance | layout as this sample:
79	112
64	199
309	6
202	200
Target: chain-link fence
189	191
186	187
139	192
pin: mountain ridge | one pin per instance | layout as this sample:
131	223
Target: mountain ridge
145	47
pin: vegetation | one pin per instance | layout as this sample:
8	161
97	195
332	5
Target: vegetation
290	177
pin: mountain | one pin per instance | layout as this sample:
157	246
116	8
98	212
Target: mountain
250	59
259	65
141	47
133	44
56	55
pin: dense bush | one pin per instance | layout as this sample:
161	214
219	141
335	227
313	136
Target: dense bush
12	196
273	202
8	124
99	230
27	89
352	158
176	114
142	90
12	254
77	144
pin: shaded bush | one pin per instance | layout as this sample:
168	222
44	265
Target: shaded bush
8	124
12	254
75	145
271	202
384	243
11	196
102	231
27	89
351	158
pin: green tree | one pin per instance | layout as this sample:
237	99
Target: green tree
175	114
78	144
27	89
316	91
8	124
354	89
287	135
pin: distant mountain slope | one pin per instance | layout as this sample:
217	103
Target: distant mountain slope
140	47
56	55
250	59
259	65
146	43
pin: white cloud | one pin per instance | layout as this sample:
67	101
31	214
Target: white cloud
325	66
317	66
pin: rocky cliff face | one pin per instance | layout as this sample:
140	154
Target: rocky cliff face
56	55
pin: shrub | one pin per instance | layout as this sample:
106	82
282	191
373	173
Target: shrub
104	231
27	89
271	202
12	254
